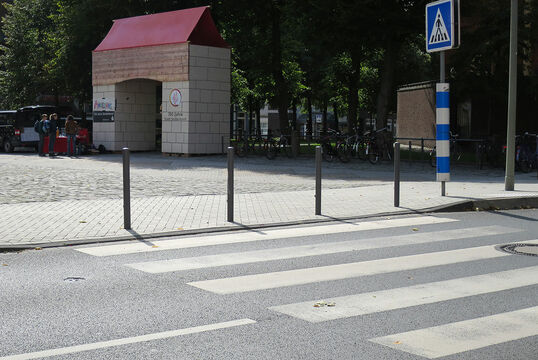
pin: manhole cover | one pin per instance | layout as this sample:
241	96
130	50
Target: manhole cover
74	278
521	249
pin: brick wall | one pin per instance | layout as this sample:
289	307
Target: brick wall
134	120
198	125
416	113
201	123
160	63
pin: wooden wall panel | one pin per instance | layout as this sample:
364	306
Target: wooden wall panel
161	63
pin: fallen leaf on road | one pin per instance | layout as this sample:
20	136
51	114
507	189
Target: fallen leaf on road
320	304
4	264
82	221
397	342
37	248
180	228
331	304
155	246
415	229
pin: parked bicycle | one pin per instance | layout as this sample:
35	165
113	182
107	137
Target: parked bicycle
278	145
527	152
333	145
456	152
378	146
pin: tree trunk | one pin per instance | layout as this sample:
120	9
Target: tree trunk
324	118
281	91
353	94
387	78
258	121
309	120
294	116
250	115
335	110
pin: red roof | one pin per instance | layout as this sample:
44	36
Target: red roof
195	25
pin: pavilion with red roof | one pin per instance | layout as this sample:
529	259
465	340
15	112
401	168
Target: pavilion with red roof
162	81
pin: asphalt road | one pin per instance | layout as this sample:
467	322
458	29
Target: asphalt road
415	287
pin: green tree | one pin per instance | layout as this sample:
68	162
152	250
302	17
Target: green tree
26	54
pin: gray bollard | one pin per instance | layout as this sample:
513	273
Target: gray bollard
396	174
230	184
126	190
318	180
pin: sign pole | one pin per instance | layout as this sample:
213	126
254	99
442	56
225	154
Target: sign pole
442	80
512	90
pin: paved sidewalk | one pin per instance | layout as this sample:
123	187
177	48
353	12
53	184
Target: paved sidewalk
61	201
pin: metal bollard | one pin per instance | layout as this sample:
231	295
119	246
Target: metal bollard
318	180
396	174
410	149
230	184
126	190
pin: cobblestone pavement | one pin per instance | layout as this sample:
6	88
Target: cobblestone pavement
28	178
55	200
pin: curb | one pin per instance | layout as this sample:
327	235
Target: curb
461	206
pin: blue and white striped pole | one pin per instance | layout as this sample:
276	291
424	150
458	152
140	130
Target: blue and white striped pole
443	134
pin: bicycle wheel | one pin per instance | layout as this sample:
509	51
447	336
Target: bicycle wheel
286	149
373	155
523	165
327	153
361	151
240	150
433	158
343	152
271	151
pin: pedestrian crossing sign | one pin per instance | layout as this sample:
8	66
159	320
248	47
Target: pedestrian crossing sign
442	25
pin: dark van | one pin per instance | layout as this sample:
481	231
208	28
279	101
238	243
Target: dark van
7	129
20	130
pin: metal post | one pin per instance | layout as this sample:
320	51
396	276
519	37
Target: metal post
410	149
396	174
512	93
230	184
442	80
126	190
318	180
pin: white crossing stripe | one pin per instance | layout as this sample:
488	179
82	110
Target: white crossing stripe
391	299
126	341
345	271
457	337
161	266
232	238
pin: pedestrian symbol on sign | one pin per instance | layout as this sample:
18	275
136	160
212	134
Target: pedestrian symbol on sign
439	33
442	25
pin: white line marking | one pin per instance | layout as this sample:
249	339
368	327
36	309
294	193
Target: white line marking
232	238
455	338
345	271
199	262
130	340
391	299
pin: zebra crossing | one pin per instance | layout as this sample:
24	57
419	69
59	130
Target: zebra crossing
430	342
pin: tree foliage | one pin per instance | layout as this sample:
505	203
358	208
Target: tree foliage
349	55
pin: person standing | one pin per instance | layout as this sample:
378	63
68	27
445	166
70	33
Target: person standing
71	129
42	131
53	126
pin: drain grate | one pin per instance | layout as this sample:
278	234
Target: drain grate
520	249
